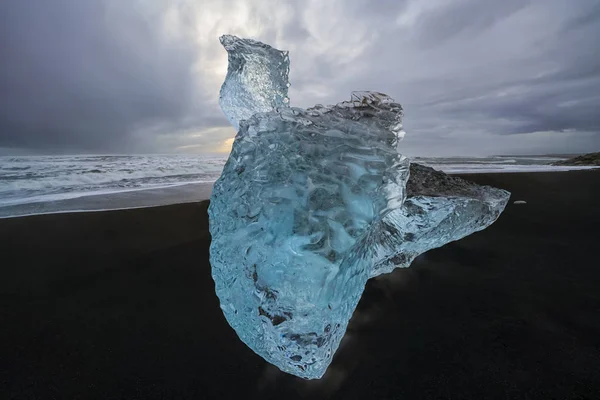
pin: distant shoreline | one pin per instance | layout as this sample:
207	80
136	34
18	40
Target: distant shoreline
195	193
48	184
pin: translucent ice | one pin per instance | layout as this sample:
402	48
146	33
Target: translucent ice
257	79
438	209
312	203
289	215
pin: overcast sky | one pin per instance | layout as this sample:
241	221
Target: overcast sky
475	77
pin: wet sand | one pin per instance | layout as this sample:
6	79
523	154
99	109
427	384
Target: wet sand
121	305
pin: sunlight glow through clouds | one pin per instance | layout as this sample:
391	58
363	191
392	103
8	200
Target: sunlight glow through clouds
227	144
468	72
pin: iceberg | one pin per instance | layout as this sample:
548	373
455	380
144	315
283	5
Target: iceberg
312	203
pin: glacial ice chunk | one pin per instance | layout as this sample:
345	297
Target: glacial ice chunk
438	209
312	203
288	216
256	81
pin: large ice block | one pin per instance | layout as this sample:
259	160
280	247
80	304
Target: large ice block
288	217
312	203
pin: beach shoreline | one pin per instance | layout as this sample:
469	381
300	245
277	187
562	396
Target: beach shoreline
176	194
121	304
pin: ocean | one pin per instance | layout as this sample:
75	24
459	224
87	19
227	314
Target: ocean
47	184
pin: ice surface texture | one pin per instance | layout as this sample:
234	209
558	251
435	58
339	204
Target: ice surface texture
257	79
438	209
288	219
312	203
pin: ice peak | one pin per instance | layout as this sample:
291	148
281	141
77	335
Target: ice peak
256	81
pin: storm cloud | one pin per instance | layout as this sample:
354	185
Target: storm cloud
474	76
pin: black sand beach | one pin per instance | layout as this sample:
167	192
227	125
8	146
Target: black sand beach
121	305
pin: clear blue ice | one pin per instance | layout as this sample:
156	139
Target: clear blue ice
312	203
256	81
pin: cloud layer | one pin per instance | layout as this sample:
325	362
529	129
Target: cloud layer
475	76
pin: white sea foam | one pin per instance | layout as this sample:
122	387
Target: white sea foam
41	179
491	168
36	184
